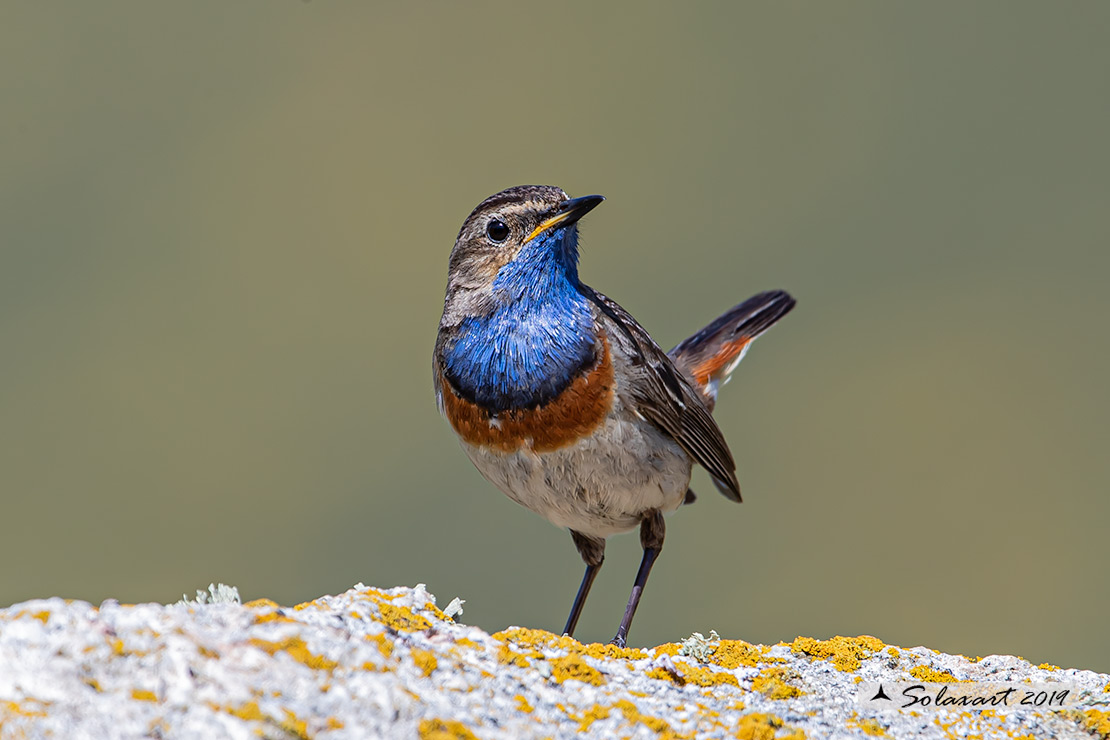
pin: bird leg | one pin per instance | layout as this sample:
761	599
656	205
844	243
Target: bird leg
592	551
652	531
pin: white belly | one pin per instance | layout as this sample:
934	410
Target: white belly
599	485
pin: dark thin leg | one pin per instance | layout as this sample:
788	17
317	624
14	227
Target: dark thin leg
652	531
580	599
593	552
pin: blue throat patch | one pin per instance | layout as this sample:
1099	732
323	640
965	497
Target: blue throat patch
537	340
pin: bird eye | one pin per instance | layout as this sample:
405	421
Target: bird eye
497	231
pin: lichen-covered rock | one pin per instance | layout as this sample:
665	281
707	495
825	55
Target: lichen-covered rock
373	663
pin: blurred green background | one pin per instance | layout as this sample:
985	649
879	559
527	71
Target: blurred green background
225	230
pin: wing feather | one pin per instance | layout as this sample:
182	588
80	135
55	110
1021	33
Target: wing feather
665	397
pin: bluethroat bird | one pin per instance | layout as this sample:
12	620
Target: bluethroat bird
562	400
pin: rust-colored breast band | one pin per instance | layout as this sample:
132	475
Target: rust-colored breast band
573	414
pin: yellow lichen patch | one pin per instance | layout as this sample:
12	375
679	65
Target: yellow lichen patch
1048	667
376	595
868	726
507	656
659	726
207	652
857	679
118	648
761	726
402	619
468	643
976	725
931	675
735	653
592	715
43	616
662	674
606	652
572	667
947	728
248	711
425	660
437	612
315	604
261	604
523	705
334	723
1096	722
298	650
668	648
893	652
93	684
444	729
542	639
14	707
538	638
143	695
844	652
772	684
272	617
385	645
701	676
295	726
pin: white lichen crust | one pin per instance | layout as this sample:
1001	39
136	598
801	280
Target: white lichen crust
374	663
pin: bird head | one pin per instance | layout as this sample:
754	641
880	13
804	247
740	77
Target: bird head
513	246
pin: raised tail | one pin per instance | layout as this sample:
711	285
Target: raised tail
710	356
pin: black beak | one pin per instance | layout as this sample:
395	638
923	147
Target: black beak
575	208
566	213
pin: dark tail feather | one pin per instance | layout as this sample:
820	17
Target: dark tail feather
710	356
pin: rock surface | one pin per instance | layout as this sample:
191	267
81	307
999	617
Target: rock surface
373	663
